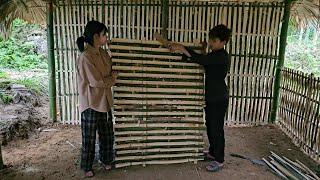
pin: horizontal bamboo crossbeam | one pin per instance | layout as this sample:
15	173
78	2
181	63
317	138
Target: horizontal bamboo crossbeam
163	125
177	113
158	90
171	137
159	150
157	162
158	144
150	69
146	157
158	108
151	56
162	96
192	119
168	76
155	102
136	48
151	132
153	62
145	82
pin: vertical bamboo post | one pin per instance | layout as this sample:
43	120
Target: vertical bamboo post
121	25
282	49
165	18
51	65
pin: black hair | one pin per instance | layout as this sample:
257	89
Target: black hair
92	28
221	32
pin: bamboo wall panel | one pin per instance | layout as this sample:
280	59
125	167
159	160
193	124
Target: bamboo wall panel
253	46
299	113
158	118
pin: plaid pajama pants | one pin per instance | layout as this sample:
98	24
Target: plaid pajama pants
91	121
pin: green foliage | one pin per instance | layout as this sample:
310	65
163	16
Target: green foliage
4	84
6	99
31	84
303	50
17	53
3	75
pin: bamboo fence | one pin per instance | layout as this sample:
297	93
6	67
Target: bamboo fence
299	112
253	46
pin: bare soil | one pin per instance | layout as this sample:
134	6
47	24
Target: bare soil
49	155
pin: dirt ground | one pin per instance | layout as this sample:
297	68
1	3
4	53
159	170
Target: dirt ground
48	155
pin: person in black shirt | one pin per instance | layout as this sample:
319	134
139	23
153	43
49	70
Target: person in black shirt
216	65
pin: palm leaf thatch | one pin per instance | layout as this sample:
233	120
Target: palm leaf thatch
32	11
303	11
306	11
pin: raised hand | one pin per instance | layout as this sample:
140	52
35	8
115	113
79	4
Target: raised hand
176	47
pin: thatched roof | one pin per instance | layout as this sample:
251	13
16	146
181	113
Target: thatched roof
303	11
32	11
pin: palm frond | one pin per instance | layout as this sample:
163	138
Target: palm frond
32	11
305	12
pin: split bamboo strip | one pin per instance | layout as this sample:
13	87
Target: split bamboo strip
132	133
160	150
146	157
162	96
159	144
160	90
119	165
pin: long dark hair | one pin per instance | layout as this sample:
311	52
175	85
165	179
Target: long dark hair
92	28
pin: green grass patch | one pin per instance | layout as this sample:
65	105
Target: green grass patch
3	75
31	84
6	99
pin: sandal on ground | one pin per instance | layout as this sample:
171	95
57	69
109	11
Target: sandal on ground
88	174
214	166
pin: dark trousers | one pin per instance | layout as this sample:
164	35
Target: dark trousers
91	121
215	113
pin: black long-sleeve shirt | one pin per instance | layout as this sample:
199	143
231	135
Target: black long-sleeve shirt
216	65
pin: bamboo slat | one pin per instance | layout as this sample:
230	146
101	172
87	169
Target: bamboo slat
119	165
158	144
158	156
160	119
160	150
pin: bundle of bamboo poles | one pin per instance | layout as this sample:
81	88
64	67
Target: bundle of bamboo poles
288	169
